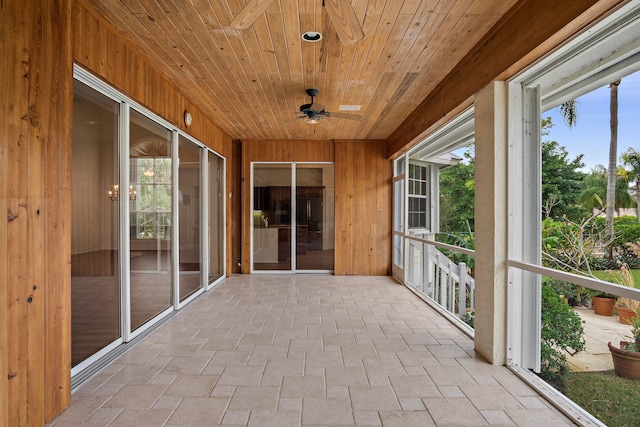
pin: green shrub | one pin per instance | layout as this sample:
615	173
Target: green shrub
562	333
469	318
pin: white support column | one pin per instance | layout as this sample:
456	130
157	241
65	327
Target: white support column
491	222
525	181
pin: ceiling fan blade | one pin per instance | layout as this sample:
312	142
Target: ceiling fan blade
326	124
345	21
346	116
288	122
316	108
250	13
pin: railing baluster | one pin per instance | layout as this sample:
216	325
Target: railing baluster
462	289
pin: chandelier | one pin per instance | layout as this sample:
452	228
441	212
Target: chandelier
114	193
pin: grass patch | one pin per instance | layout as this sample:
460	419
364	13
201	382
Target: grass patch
613	400
611	276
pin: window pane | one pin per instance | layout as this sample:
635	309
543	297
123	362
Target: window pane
189	171
95	242
150	166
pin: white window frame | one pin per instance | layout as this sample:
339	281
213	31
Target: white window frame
412	182
607	51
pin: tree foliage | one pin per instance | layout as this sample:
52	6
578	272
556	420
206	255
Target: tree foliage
562	333
631	159
457	194
594	194
562	182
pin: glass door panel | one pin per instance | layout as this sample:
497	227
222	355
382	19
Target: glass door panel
150	209
315	222
95	267
189	172
216	224
272	217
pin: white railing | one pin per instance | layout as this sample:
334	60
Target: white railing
433	274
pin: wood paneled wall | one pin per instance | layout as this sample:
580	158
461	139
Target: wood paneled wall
363	198
35	163
363	208
99	48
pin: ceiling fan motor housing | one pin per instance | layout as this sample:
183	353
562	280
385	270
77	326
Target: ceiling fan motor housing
312	109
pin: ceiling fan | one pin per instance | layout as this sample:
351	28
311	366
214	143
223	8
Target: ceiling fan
315	113
341	12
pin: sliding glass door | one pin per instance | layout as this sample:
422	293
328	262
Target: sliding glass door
95	243
215	230
148	224
315	224
293	217
272	217
189	188
151	213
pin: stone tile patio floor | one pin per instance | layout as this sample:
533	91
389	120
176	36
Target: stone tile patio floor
598	331
306	350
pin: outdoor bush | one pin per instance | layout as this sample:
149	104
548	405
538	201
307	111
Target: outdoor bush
626	232
562	333
469	318
604	263
563	289
630	260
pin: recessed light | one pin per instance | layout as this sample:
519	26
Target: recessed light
91	122
312	36
349	108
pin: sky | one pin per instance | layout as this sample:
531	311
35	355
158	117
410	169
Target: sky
591	135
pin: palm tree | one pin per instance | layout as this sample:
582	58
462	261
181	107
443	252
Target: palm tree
595	192
613	163
631	159
569	112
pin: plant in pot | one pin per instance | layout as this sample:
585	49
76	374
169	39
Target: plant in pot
626	307
626	359
603	304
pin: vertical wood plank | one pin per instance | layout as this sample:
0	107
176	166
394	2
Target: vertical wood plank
363	204
36	48
57	205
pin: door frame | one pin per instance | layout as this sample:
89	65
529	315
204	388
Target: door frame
293	216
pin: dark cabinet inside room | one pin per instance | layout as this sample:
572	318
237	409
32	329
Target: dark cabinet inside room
260	198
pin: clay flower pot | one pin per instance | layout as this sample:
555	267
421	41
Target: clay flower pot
603	305
626	363
626	315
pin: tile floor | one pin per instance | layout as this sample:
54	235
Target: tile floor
306	350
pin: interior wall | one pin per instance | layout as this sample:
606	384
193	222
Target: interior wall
98	47
363	179
364	188
35	165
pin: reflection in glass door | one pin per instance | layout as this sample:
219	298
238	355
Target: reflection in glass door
315	222
95	267
272	217
216	215
150	207
189	172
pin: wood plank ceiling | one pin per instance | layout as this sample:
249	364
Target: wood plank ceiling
252	82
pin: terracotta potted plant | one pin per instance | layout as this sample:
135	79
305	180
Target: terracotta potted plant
626	359
603	304
626	307
627	311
